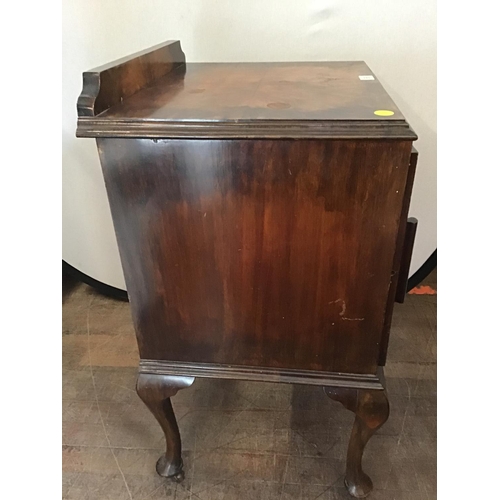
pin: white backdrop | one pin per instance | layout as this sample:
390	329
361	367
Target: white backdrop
397	39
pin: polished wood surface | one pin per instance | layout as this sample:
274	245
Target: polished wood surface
372	411
157	95
260	211
262	374
258	253
396	264
156	391
110	84
261	91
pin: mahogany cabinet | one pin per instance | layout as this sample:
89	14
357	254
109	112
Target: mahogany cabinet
261	217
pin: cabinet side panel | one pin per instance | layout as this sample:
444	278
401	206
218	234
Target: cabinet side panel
258	252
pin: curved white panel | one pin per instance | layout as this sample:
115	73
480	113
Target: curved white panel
396	39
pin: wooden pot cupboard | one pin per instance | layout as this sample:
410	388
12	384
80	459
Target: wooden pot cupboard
261	216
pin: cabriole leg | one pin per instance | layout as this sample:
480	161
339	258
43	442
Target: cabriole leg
371	408
156	391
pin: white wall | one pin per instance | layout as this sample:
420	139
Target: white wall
396	38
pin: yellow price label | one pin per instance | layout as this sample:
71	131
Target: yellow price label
383	112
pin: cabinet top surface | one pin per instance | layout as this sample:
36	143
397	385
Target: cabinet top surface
262	91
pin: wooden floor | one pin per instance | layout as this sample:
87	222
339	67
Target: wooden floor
242	440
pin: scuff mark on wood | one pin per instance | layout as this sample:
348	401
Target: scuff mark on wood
341	313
